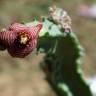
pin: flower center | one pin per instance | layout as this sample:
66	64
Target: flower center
23	38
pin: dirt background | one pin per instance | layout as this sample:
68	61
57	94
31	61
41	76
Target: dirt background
23	77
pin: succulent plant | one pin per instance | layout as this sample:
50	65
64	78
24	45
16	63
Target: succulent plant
60	45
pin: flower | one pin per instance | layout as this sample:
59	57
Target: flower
20	39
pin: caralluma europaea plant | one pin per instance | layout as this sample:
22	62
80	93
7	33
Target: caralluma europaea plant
54	37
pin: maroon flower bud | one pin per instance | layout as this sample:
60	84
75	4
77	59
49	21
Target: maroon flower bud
20	39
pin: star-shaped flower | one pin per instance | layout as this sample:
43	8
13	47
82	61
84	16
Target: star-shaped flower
20	39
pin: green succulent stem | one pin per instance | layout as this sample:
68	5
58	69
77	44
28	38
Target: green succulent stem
62	61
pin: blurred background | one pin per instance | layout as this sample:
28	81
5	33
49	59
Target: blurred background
23	77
